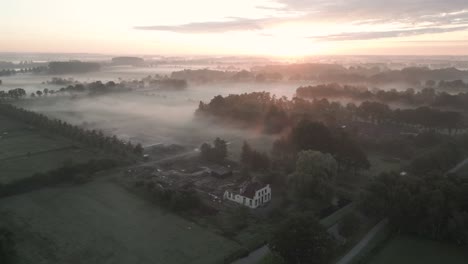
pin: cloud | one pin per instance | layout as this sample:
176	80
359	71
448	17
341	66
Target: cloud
411	17
388	34
233	24
377	9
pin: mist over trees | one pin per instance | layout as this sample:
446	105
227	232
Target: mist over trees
431	97
216	152
324	72
63	67
255	109
16	93
134	61
91	138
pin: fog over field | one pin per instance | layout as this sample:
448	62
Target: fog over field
145	115
234	132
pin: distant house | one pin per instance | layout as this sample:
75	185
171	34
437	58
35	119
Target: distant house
250	194
220	171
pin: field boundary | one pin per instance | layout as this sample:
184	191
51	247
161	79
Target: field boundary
377	234
334	218
40	152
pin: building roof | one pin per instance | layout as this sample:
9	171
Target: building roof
250	188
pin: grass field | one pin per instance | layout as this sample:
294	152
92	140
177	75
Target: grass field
379	164
410	250
102	223
25	151
25	166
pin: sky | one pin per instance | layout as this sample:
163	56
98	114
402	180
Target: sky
283	28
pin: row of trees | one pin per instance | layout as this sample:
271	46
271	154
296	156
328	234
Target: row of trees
9	72
91	138
12	94
422	116
207	75
274	115
63	67
426	96
358	74
75	173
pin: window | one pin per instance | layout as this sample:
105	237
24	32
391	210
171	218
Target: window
250	202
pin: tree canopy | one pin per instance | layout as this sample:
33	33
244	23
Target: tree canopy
302	239
433	206
216	152
314	175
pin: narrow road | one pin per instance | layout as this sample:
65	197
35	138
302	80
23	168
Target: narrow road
356	250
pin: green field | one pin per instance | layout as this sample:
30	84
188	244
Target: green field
25	166
25	150
410	250
381	164
100	222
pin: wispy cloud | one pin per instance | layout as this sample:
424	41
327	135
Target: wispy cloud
387	34
233	24
413	17
376	9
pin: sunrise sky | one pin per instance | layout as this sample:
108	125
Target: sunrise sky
236	27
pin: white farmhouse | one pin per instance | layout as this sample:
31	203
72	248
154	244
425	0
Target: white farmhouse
250	194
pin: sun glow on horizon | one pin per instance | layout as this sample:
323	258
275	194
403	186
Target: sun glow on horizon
282	28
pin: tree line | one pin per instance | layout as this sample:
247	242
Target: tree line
75	66
310	135
324	72
10	72
431	205
274	115
207	76
92	138
12	94
425	97
73	173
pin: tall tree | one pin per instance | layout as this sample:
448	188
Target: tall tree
307	135
301	239
314	175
